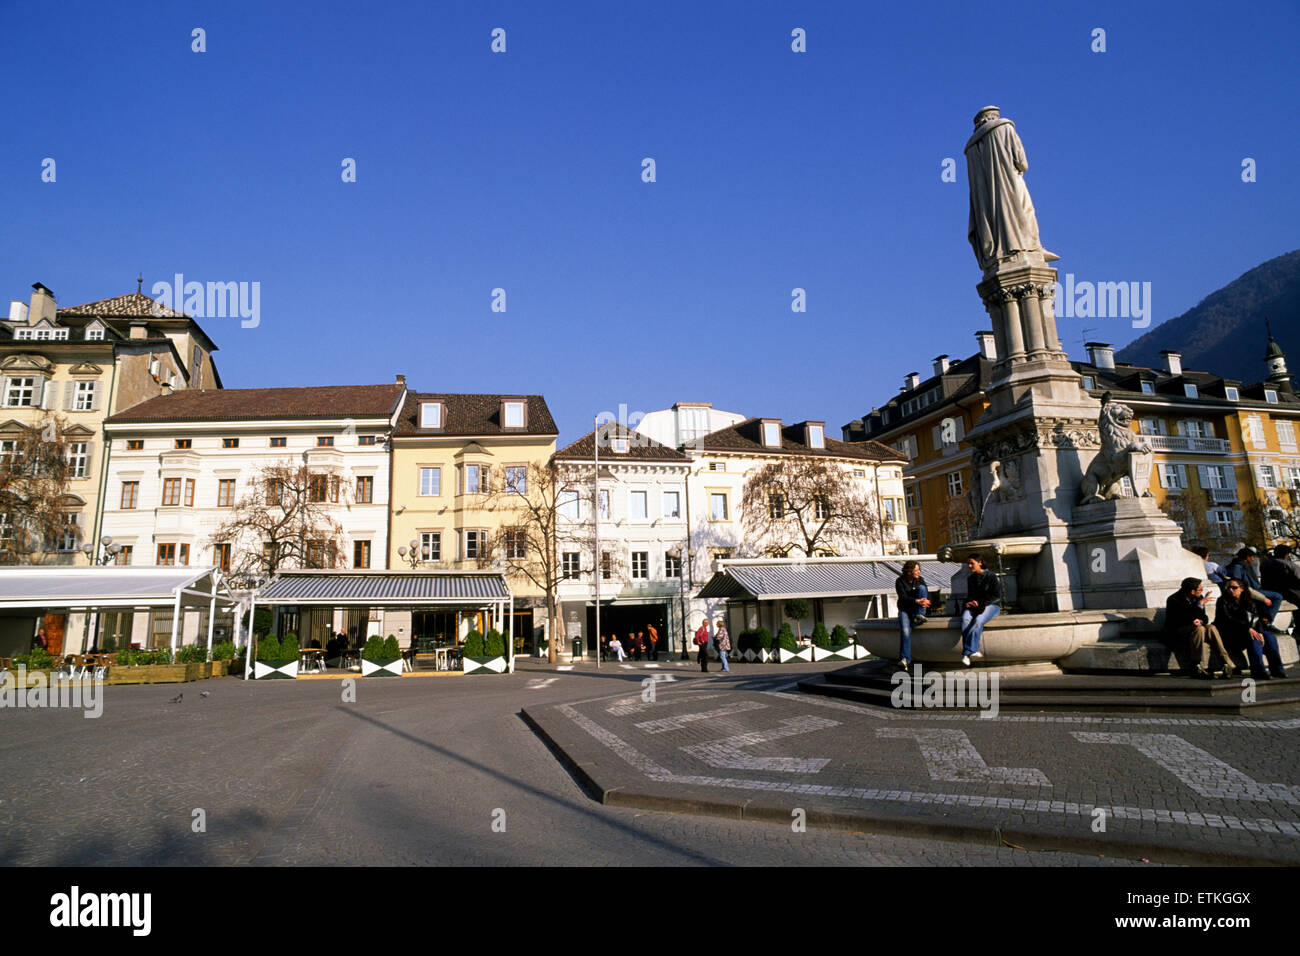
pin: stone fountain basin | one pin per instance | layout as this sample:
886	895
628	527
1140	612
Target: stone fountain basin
1007	639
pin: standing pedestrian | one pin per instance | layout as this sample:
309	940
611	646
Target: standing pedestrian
702	642
722	641
654	642
634	646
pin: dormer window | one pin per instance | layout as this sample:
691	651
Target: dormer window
1270	396
512	416
816	435
1089	382
1231	394
1190	391
431	414
1148	388
95	333
772	434
620	446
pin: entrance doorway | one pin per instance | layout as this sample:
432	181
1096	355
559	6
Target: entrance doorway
622	619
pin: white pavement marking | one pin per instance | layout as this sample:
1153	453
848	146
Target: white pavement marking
883	713
664	678
950	756
664	724
1199	769
537	683
564	667
1061	808
725	753
626	706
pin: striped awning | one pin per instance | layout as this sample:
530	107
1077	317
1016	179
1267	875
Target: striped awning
782	580
386	588
79	588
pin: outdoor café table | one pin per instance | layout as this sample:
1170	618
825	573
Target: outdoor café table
443	657
315	658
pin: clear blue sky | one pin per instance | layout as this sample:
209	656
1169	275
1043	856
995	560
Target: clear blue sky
522	170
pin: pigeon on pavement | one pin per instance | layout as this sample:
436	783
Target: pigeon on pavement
177	698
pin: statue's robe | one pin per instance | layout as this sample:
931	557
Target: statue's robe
1002	220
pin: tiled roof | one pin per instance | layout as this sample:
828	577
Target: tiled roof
474	415
746	438
134	304
233	404
639	447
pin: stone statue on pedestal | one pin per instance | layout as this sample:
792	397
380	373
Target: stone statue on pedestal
1002	219
1123	455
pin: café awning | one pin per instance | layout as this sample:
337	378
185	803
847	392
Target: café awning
781	579
386	588
93	588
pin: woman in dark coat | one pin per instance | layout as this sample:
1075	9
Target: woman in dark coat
1240	628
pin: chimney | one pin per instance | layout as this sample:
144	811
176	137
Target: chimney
401	380
17	312
43	304
988	345
1173	361
1100	355
139	330
912	381
940	364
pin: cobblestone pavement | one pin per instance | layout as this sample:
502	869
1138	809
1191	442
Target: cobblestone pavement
415	771
1178	788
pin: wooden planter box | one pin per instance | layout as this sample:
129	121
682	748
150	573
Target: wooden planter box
275	670
387	667
485	665
156	673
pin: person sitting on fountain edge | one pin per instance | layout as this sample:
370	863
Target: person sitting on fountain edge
1188	629
983	603
1237	622
1246	570
913	602
1278	574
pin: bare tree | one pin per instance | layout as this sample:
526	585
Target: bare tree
34	509
808	505
286	519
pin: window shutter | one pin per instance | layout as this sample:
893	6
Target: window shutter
94	396
1184	428
41	394
1203	476
69	395
936	438
1160	476
1182	476
1207	429
961	428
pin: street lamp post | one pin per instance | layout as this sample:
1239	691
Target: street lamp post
681	578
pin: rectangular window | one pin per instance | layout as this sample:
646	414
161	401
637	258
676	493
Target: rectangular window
1267	477
184	443
1293	478
910	495
134	444
166	554
474	544
672	566
182	554
516	541
517	480
1213	478
672	504
367	439
230	443
430	414
69	537
775	506
21	392
279	442
1225	523
431	545
274	491
189	492
475	479
606	565
717	466
123	557
1270	396
221	556
640	565
1089	382
604	502
1190	391
226	493
718	506
361	554
1171	476
130	493
79	458
955	488
567	505
324	441
890	508
1286	436
637	505
85	398
771	434
514	415
1148	388
317	487
171	496
365	489
823	509
816	436
570	564
430	481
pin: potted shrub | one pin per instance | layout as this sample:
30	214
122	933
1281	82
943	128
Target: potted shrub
276	660
789	646
484	654
381	657
223	652
763	640
821	642
843	647
796	609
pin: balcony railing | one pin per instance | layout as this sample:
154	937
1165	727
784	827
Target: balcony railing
1203	446
1222	496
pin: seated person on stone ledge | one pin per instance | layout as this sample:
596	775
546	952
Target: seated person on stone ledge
983	603
1216	572
1246	570
1277	573
1238	624
913	603
1189	631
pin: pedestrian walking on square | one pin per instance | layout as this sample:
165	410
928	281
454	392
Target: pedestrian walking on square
702	642
983	603
722	641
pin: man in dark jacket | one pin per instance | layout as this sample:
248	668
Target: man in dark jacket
1188	628
1279	574
983	603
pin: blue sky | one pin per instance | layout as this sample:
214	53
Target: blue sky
522	171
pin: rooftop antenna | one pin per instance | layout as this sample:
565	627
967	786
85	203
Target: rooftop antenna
139	282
